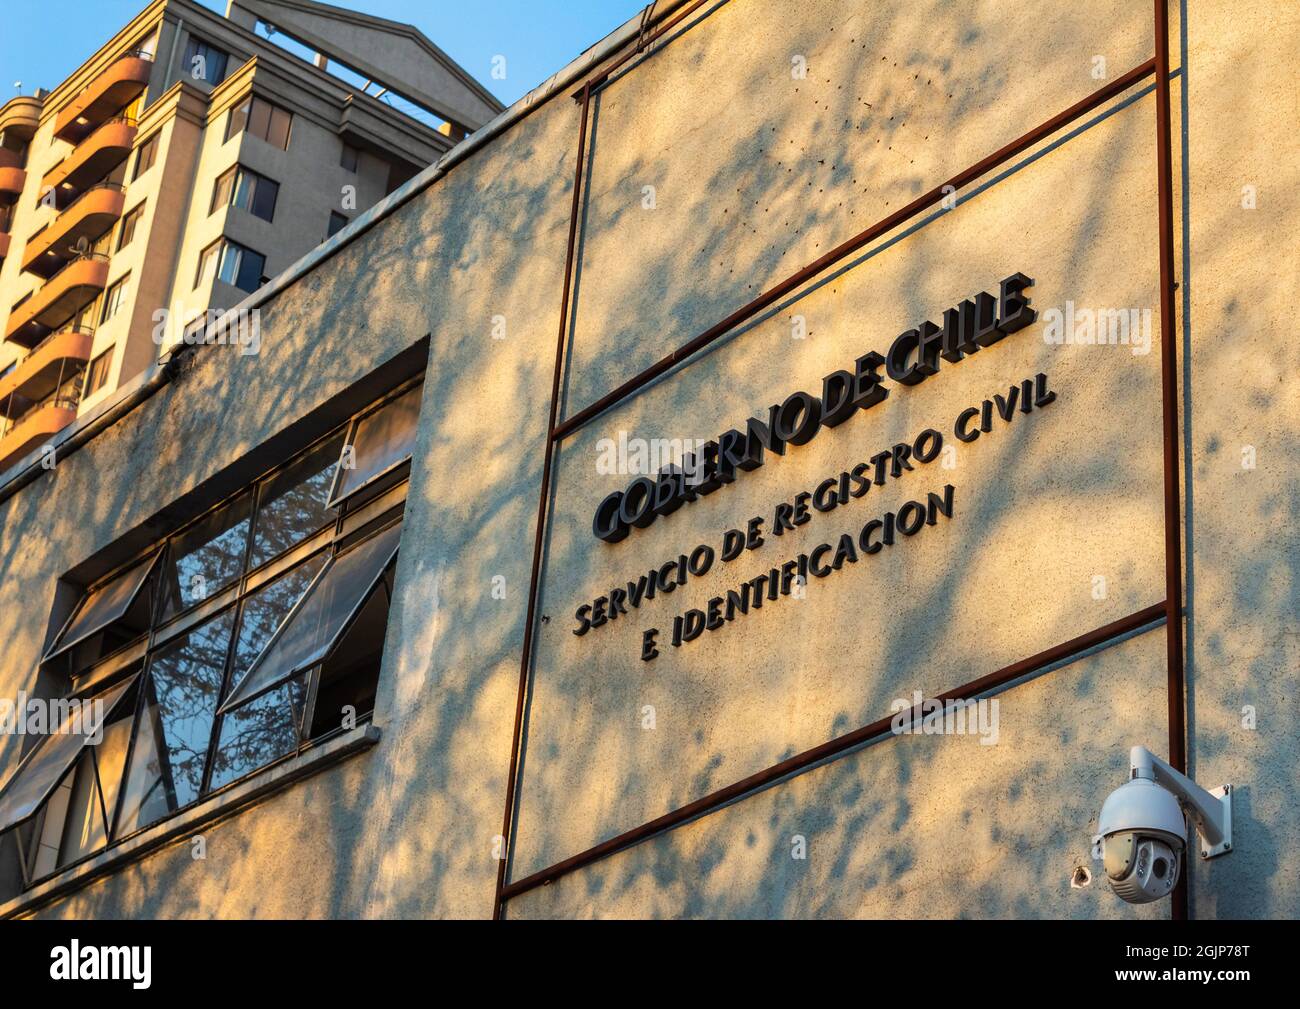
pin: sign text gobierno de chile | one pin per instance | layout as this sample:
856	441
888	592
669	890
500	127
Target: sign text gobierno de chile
914	356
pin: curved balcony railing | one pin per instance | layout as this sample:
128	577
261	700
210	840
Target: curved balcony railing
44	368
102	151
118	84
35	427
87	217
13	176
75	285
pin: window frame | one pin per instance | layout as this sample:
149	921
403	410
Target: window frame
114	295
244	110
147	146
106	358
233	177
344	528
197	45
130	220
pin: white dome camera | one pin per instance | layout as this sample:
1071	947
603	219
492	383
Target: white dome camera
1142	829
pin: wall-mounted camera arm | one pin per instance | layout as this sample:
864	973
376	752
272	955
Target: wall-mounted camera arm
1211	811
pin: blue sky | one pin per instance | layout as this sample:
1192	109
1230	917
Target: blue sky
42	42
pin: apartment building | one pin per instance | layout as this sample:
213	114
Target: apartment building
186	161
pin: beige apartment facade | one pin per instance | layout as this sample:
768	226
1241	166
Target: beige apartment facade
188	160
390	619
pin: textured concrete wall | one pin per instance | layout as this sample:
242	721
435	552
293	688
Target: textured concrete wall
407	829
754	175
1243	373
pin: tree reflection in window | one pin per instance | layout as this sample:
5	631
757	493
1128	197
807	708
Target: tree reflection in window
294	503
182	687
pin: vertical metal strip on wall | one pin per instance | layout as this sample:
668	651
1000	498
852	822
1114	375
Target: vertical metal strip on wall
1169	425
548	459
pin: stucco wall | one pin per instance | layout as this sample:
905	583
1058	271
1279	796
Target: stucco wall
1044	506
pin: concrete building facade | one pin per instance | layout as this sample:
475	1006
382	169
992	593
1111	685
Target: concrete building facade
189	159
960	307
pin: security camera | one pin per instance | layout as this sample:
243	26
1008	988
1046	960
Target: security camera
1142	829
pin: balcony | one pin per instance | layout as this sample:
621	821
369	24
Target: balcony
20	116
92	159
45	367
63	296
36	427
87	217
117	85
12	175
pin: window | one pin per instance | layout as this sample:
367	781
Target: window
337	223
252	634
97	373
240	187
379	441
204	62
351	158
129	224
262	119
115	297
232	263
145	155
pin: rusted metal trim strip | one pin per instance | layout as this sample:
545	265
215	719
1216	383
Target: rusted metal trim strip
1169	418
880	228
1066	650
539	540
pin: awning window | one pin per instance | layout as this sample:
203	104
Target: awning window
311	632
44	767
381	440
118	609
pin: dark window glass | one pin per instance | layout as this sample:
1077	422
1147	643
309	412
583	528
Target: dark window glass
314	627
350	676
205	558
175	723
295	502
262	203
337	223
115	298
261	731
251	269
265	610
204	62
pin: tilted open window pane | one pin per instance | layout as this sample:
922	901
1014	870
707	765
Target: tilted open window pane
118	608
295	502
384	438
205	558
265	611
259	732
43	768
312	630
181	689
